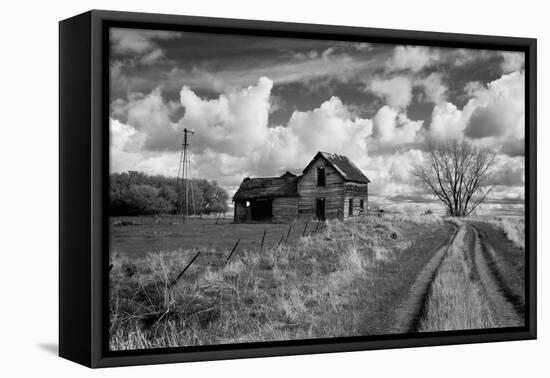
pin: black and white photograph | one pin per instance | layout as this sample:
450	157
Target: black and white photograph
266	189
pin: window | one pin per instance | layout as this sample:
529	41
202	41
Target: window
321	176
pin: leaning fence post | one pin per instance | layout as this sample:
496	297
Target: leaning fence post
288	233
305	229
317	227
231	253
262	244
184	269
280	241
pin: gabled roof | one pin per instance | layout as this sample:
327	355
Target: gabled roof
344	166
288	174
287	184
265	187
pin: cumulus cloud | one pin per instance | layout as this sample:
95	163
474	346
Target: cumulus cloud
413	58
390	172
233	139
394	129
434	89
494	115
397	92
448	121
331	127
513	147
512	61
150	116
499	108
508	171
232	136
234	123
123	156
361	99
487	121
402	165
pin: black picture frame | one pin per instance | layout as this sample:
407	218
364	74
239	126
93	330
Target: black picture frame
83	180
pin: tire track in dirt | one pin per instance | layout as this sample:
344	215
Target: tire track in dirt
410	312
506	306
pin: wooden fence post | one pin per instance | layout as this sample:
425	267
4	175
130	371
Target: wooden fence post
317	227
288	233
231	253
263	238
280	241
184	269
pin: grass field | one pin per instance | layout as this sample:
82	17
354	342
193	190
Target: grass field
213	234
336	279
344	280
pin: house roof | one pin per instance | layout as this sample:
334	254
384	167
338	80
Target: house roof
287	184
288	174
264	187
344	166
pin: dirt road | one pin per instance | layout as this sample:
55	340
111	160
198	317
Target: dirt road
465	285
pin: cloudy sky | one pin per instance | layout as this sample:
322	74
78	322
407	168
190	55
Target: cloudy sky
260	106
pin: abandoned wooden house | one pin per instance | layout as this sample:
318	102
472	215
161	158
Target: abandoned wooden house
330	186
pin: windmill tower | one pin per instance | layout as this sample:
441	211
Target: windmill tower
185	186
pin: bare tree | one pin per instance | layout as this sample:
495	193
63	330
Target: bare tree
457	173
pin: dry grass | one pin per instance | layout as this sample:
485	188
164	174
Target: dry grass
512	226
314	287
455	301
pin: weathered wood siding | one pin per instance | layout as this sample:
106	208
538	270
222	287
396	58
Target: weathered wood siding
332	192
285	209
240	212
358	192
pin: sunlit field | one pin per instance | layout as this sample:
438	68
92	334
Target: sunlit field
358	277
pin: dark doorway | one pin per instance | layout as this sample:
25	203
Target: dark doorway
350	207
320	208
261	210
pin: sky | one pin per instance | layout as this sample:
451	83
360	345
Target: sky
260	106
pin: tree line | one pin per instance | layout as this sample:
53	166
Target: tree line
136	193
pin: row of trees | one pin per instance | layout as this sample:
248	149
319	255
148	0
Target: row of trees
135	193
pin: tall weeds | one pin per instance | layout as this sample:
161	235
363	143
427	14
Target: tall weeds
306	289
512	226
